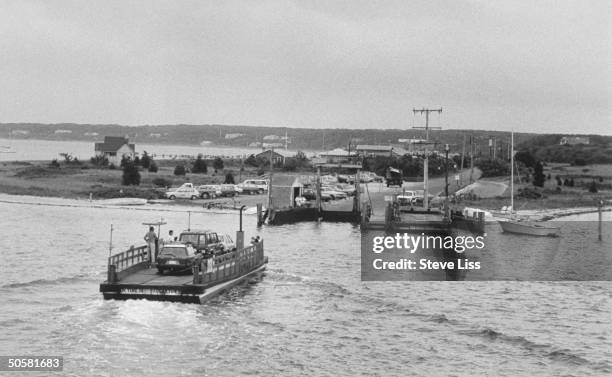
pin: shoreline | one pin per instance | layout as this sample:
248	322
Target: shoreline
544	215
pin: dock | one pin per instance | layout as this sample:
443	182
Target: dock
131	276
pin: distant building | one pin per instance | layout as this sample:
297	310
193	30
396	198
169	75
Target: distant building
114	148
273	145
155	135
91	134
574	140
272	137
278	156
233	136
205	142
338	155
62	132
284	190
380	150
255	144
20	132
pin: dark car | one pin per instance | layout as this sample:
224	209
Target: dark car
177	257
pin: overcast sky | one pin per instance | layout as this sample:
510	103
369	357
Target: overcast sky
540	66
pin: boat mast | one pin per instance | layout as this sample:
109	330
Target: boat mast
512	172
426	160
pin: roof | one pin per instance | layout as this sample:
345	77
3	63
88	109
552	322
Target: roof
112	144
366	147
280	152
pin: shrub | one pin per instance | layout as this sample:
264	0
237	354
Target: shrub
153	167
179	170
54	163
579	162
252	161
229	178
99	161
131	175
593	187
162	182
112	166
538	176
199	166
218	164
146	161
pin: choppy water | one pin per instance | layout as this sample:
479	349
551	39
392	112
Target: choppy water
310	315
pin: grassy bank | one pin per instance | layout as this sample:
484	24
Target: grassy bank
79	180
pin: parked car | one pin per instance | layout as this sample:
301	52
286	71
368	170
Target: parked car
251	189
209	191
186	191
177	257
229	190
348	189
261	184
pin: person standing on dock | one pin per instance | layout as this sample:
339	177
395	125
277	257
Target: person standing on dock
151	240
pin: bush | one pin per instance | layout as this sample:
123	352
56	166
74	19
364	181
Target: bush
152	167
131	175
112	166
199	166
252	161
145	161
218	164
538	176
229	178
579	162
593	187
179	170
54	163
99	161
162	182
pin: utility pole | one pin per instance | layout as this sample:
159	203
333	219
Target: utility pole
471	159
426	162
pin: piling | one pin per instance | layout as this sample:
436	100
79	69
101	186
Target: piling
599	211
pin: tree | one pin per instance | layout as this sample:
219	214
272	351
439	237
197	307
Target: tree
526	158
229	178
131	175
145	160
218	164
179	170
593	187
153	167
99	160
251	161
199	165
124	160
538	176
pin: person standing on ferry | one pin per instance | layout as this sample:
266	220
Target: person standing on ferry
151	240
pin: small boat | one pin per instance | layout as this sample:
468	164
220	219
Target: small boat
529	228
520	226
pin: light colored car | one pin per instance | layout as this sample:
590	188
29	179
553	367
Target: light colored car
261	184
186	191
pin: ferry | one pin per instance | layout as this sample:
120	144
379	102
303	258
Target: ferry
194	269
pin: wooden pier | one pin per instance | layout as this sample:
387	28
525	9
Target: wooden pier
131	276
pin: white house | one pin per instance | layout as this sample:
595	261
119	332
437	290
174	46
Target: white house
114	148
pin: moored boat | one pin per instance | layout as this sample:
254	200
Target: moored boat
529	228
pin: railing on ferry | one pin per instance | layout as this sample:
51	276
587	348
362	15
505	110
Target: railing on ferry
120	263
229	266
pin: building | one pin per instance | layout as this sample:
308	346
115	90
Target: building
284	189
338	156
380	150
57	132
278	156
574	140
114	148
272	137
233	136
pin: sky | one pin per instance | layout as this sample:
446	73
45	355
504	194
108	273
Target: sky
530	66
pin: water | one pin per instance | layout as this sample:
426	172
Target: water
37	150
310	315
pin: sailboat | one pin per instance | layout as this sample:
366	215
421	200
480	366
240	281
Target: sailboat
521	226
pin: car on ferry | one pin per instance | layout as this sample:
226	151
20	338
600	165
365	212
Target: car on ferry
177	257
207	242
